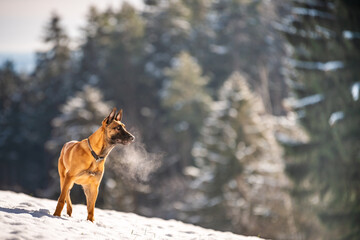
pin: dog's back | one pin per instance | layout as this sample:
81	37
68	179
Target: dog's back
74	150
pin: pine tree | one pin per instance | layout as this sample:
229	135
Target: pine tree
80	116
92	50
54	63
52	79
31	106
245	40
187	101
202	35
12	120
124	78
9	85
40	95
324	36
113	58
239	176
47	88
167	34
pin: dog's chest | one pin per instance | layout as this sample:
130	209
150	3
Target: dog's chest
91	175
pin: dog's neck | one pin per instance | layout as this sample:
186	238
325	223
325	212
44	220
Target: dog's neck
99	144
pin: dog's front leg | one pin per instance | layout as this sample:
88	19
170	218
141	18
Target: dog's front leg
91	192
68	182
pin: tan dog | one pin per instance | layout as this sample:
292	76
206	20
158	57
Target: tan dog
83	162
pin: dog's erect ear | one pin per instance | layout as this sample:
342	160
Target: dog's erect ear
119	115
111	116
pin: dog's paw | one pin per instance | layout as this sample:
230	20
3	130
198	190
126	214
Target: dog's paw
69	212
91	218
56	214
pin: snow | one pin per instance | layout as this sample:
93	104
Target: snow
312	12
218	49
351	35
355	90
321	66
26	217
304	102
335	117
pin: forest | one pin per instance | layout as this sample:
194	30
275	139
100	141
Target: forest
246	113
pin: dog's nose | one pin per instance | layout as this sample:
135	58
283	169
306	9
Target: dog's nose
132	138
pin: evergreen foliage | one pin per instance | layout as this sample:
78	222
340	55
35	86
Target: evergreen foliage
80	116
35	102
237	160
324	36
186	100
244	40
173	67
12	88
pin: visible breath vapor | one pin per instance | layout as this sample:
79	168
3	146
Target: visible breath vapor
134	162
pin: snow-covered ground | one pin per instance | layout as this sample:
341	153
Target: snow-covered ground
26	217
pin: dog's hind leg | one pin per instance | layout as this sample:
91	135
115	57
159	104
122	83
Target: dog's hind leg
68	201
68	182
61	170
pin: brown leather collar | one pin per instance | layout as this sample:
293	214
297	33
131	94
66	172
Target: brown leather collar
97	157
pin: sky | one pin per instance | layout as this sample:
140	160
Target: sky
22	21
22	24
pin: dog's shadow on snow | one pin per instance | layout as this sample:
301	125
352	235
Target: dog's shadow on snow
34	213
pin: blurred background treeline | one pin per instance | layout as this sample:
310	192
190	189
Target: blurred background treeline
252	107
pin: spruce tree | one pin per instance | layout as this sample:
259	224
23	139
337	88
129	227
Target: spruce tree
80	116
12	122
114	59
53	64
186	99
52	79
325	60
92	50
239	174
35	104
167	34
245	40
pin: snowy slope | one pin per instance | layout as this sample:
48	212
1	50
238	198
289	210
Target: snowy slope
25	217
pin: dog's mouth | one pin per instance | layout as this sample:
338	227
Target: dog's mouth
126	141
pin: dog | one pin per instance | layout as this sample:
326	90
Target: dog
82	162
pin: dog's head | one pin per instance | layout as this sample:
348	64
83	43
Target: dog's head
115	131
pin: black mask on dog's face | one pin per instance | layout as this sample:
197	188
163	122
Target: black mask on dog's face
115	130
